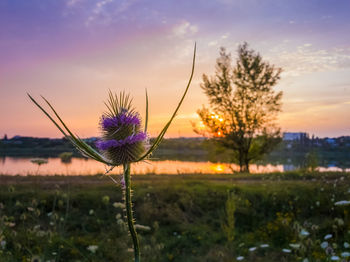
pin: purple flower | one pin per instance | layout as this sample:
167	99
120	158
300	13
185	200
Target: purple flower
132	139
122	140
120	120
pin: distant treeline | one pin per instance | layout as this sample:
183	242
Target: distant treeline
178	148
35	147
327	152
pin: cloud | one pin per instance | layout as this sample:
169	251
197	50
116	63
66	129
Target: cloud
306	59
72	3
124	6
106	12
213	43
99	13
184	28
225	36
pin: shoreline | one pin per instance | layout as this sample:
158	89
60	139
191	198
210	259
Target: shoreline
100	179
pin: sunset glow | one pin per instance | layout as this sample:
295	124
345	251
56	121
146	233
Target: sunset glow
74	51
218	168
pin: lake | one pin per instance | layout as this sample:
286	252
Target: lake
82	166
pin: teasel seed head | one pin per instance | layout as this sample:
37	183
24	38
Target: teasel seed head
122	140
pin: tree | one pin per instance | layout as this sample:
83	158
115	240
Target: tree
243	106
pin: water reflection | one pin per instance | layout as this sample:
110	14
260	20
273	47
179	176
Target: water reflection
82	166
328	168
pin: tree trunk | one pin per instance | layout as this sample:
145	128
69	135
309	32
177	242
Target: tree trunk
244	167
246	162
247	167
241	162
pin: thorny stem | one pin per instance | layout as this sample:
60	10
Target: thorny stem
129	216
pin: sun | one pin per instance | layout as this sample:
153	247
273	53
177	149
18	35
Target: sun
218	168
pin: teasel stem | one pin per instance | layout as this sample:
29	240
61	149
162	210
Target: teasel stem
128	205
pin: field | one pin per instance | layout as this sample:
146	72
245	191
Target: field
262	217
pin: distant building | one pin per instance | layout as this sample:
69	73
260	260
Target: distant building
295	136
331	141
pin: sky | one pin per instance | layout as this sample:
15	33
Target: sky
73	51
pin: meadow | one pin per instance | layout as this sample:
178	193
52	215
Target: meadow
291	216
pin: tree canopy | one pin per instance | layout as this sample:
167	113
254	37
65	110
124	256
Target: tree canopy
243	106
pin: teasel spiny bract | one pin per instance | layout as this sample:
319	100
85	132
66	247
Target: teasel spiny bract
123	141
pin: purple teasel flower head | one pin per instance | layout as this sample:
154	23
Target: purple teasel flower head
121	119
132	139
122	140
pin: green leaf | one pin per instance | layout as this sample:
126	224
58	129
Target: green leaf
82	146
42	109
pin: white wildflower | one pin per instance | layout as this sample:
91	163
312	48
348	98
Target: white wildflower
295	246
92	248
304	233
119	205
345	254
328	236
342	203
324	244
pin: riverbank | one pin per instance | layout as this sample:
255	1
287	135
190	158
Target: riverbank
99	179
277	217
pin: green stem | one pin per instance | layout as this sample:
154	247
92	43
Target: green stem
129	216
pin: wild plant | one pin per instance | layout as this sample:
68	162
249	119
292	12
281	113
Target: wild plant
122	143
228	226
38	162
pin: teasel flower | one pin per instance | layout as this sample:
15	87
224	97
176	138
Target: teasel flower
122	142
122	139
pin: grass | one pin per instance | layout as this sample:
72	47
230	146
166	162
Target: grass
180	217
